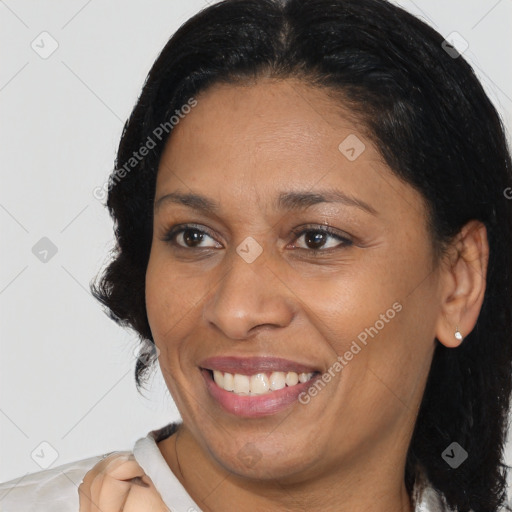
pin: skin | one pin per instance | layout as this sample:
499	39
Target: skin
346	449
117	483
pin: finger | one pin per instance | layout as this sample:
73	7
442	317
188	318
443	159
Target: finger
89	495
102	465
113	494
83	499
109	493
95	492
106	486
125	470
144	498
92	484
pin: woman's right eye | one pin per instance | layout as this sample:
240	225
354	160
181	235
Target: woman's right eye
188	237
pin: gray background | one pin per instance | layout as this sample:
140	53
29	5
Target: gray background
66	370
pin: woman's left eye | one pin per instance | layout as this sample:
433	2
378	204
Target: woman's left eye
316	238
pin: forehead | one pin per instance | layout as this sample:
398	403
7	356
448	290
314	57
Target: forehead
262	139
268	120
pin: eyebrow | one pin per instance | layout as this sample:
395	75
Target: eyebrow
285	201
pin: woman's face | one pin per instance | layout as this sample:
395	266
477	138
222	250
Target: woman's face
254	286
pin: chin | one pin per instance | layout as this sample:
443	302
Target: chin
265	456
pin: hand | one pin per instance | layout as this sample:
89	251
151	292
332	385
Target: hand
117	483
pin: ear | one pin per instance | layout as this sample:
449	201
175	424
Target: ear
463	283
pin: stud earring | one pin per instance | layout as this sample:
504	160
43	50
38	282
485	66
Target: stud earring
458	334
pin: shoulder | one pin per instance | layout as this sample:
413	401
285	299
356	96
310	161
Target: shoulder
54	489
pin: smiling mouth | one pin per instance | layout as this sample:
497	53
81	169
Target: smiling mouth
262	383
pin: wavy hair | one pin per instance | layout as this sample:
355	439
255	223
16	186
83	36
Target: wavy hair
429	117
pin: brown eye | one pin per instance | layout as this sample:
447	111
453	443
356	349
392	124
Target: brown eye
315	239
188	237
191	237
318	238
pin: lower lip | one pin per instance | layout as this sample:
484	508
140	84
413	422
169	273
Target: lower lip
257	405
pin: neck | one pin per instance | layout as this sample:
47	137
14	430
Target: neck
371	486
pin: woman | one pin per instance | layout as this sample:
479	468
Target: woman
314	240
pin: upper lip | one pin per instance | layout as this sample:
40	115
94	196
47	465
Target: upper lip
253	365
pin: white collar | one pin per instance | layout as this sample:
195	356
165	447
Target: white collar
149	457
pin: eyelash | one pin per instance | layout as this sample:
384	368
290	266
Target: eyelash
174	231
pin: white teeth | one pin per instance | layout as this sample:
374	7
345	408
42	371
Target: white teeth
218	378
277	380
258	384
229	384
291	379
241	384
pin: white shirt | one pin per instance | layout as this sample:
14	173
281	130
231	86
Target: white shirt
56	489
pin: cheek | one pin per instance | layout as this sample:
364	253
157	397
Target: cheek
169	304
170	297
157	300
173	302
380	312
347	303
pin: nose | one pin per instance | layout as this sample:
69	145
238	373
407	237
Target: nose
248	297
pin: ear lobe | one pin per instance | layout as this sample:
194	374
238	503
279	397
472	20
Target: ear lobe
464	277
